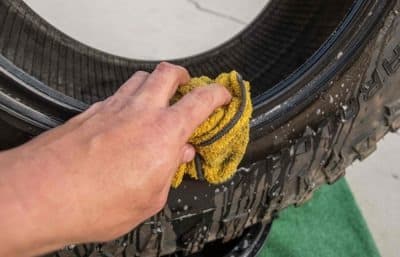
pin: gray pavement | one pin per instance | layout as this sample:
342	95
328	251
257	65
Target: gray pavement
177	28
149	29
375	183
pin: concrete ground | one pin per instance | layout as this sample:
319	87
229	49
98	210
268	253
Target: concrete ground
375	183
177	28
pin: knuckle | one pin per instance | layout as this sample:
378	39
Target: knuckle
126	88
171	73
95	107
114	103
165	67
140	73
96	142
220	89
178	71
76	119
111	101
203	96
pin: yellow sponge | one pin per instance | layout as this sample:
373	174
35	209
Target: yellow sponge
221	141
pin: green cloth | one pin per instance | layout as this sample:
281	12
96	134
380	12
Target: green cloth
330	225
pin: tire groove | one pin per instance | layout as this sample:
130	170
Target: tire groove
7	39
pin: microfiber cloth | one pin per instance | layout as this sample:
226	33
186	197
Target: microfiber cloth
220	141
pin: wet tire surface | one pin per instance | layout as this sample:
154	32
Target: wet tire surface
330	115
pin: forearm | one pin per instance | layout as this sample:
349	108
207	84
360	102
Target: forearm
24	232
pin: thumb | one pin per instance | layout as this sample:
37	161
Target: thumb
188	153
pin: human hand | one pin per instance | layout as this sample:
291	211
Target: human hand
108	169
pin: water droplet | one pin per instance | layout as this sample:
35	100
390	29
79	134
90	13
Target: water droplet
342	85
331	99
179	200
291	152
157	231
195	198
245	244
339	55
318	111
70	247
217	190
185	207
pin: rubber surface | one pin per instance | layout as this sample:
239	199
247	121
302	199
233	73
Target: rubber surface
314	113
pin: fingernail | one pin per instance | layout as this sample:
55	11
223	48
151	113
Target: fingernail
188	154
228	97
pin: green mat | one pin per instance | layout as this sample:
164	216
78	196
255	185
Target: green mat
330	225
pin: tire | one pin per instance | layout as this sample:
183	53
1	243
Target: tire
326	88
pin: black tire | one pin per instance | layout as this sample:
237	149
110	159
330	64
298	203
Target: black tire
326	88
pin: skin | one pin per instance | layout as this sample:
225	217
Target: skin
104	171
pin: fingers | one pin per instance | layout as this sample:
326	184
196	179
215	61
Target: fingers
161	85
89	112
125	94
132	84
122	94
195	107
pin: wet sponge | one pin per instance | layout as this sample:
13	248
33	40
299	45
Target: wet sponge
221	141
